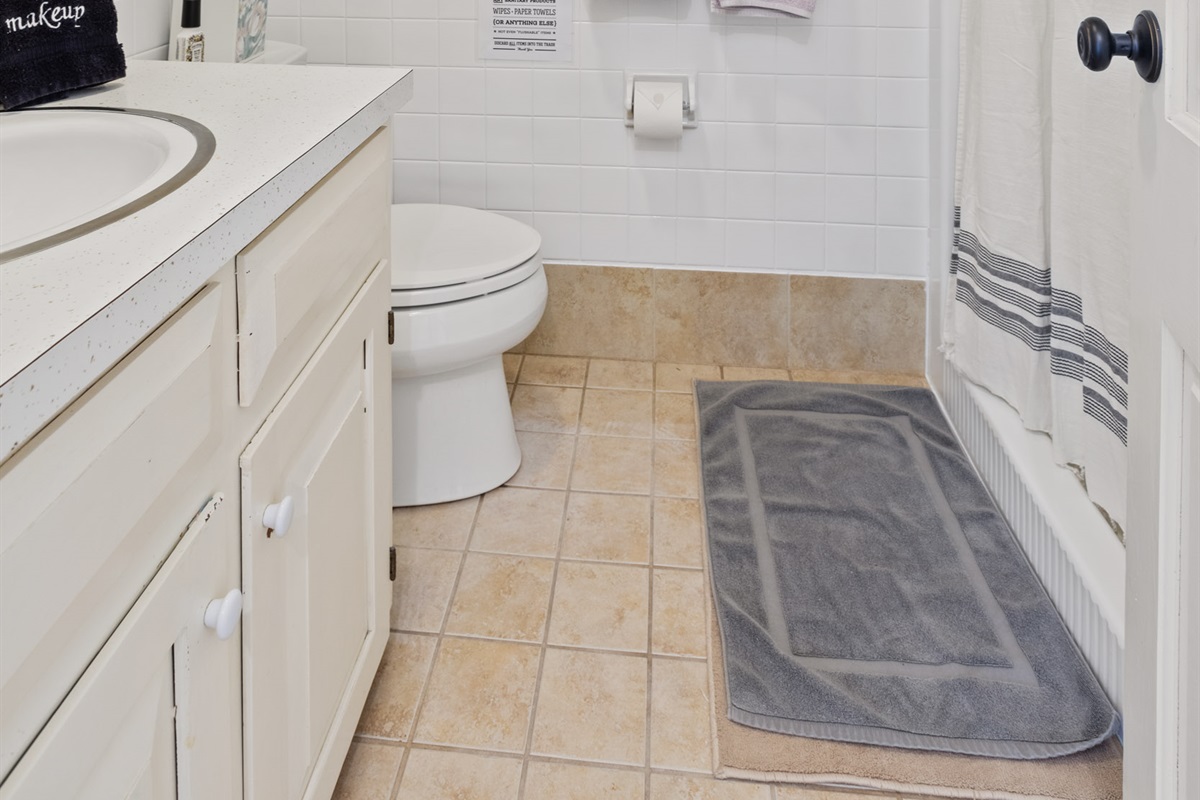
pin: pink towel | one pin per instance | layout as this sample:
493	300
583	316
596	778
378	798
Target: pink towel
766	8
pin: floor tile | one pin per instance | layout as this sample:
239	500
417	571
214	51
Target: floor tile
592	707
502	597
607	464
679	377
546	409
674	416
519	521
369	772
545	460
445	525
606	374
679	715
678	532
438	775
754	374
421	592
679	621
614	412
607	527
676	469
392	703
512	366
480	694
689	787
554	370
604	606
858	378
555	781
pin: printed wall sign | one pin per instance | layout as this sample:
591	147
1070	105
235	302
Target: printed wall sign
526	30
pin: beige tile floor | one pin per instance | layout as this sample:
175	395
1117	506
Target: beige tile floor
548	637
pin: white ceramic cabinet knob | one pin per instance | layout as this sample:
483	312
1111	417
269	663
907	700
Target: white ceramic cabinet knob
222	614
278	517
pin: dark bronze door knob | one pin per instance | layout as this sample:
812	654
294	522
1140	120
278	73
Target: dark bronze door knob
1142	45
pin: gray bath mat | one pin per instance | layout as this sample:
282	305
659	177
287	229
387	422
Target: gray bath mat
868	590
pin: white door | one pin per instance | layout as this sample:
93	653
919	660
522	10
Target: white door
317	589
1162	691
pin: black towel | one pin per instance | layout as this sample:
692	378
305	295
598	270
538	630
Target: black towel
49	47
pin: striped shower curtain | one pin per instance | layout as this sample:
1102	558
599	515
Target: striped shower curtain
1037	309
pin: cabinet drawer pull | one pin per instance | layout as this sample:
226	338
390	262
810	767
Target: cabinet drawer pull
222	614
277	519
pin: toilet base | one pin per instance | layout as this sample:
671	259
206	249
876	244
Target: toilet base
452	434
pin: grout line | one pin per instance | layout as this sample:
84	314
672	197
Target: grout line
437	647
537	687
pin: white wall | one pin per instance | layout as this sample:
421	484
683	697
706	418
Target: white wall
812	153
143	27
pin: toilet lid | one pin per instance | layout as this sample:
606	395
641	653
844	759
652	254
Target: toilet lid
441	245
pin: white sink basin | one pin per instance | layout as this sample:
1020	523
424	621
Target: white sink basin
66	172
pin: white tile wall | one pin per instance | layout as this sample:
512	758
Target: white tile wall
143	27
812	153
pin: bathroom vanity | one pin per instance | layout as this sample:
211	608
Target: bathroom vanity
195	493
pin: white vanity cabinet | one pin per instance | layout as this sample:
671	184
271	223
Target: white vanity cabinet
142	503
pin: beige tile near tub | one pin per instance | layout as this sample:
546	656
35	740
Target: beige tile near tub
608	374
611	464
679	715
392	703
592	707
697	787
445	525
604	606
559	781
602	312
502	597
721	318
859	378
480	694
369	772
678	624
421	592
857	324
546	409
811	793
676	469
754	374
512	366
545	460
679	377
554	371
674	416
615	412
607	527
440	775
519	521
678	532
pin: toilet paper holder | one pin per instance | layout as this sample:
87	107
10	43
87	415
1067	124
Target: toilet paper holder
687	81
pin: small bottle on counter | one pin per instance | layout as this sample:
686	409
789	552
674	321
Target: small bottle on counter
189	44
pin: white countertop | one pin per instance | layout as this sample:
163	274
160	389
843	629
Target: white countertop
67	314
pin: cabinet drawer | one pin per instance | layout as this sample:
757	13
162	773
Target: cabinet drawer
92	506
295	279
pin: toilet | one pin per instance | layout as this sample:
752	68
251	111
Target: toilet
467	285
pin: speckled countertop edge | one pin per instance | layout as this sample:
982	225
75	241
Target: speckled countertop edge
69	313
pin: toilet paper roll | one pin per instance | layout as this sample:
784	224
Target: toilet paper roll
657	110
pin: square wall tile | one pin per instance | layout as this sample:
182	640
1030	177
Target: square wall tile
462	138
463	184
604	312
720	318
862	324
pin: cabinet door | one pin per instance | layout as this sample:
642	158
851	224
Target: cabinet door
93	505
157	714
317	591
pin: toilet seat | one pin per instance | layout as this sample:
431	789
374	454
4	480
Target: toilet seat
444	254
